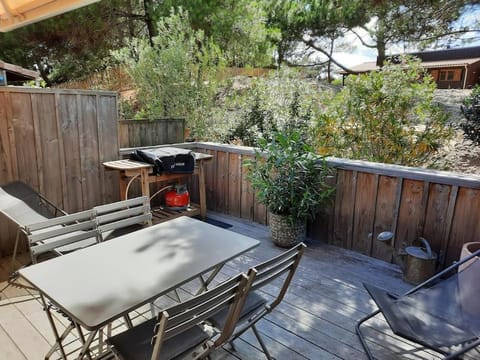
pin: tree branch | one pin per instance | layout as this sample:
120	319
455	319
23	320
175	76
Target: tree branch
373	46
311	43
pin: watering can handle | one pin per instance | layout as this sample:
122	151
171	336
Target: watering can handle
427	246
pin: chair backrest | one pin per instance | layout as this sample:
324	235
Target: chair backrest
68	232
179	318
284	264
122	214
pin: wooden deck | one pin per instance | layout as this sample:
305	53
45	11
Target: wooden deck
316	320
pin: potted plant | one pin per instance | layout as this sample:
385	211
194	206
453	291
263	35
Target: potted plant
290	180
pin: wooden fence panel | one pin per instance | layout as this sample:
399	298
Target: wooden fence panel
136	133
55	141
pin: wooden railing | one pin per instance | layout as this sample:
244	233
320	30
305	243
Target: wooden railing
370	198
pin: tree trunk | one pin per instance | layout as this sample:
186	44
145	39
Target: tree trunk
149	21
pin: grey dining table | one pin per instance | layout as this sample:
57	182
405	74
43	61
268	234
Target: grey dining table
99	284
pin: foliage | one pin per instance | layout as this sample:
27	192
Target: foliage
254	108
309	21
471	110
289	178
173	77
238	27
385	116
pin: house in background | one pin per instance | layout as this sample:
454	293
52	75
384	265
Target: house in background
450	68
15	75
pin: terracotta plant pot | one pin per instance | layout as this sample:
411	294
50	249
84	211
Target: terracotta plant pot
467	249
283	233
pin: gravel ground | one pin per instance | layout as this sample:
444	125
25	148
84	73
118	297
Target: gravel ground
459	154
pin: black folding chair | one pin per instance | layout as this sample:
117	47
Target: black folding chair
255	306
442	313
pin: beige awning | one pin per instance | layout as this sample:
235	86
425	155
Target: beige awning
17	13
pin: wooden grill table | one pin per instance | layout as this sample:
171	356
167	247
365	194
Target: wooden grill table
131	170
97	285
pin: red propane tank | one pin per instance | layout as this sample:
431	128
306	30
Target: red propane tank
177	198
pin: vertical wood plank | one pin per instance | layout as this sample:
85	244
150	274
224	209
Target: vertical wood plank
123	134
222	181
344	208
247	194
385	216
48	154
234	184
89	154
69	119
6	156
465	225
436	217
211	180
61	150
364	212
108	145
22	121
411	213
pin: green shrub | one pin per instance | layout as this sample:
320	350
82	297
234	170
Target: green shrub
385	116
276	102
175	76
471	110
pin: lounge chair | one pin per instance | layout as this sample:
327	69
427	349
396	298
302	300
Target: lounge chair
442	313
178	330
255	306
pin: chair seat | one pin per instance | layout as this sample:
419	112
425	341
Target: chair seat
135	343
412	321
252	304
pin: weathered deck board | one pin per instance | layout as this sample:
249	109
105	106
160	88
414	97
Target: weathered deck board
316	320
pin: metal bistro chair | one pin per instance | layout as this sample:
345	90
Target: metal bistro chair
122	217
62	234
178	330
254	306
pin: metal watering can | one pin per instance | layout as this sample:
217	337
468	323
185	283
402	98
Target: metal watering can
418	263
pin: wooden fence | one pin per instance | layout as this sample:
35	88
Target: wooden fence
56	140
135	133
370	198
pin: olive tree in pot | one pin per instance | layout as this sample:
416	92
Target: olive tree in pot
291	181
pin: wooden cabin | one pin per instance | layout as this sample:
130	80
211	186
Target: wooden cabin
450	68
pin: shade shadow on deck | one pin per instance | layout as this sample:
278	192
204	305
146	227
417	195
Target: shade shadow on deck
316	320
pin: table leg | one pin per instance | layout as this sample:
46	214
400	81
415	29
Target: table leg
145	182
58	338
201	190
206	282
84	351
123	186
